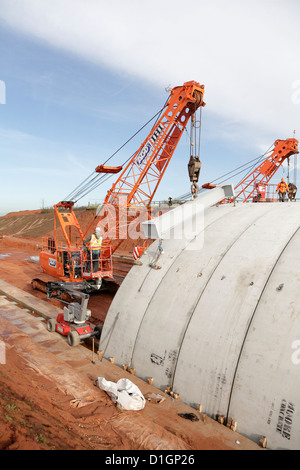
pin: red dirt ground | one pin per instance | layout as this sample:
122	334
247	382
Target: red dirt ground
28	417
33	410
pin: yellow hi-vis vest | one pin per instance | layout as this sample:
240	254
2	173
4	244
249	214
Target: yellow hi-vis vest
95	243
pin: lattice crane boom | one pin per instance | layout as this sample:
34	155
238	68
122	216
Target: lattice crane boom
263	173
139	180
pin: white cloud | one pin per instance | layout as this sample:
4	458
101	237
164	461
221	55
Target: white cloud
244	52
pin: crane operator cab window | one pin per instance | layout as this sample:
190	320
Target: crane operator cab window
72	264
51	245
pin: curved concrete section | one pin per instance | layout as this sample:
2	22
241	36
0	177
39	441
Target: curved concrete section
217	318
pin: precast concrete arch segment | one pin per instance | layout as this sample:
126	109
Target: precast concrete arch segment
218	321
178	294
265	392
127	311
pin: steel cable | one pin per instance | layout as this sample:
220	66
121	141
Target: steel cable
248	165
93	181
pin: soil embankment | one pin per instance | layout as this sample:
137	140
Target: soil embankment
39	223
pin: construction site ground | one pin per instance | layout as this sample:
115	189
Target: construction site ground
48	393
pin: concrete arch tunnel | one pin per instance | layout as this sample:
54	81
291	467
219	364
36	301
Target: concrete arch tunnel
217	318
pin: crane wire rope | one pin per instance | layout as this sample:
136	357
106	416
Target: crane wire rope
221	179
255	164
92	181
193	137
157	118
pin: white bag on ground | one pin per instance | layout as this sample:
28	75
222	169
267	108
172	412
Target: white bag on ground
126	394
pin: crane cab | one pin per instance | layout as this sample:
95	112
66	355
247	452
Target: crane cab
74	265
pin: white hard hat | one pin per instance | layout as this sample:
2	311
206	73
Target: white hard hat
98	229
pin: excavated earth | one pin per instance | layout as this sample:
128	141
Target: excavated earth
35	411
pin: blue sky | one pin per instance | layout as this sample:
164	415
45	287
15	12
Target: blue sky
82	76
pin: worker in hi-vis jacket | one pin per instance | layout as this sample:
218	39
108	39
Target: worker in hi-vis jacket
282	189
93	244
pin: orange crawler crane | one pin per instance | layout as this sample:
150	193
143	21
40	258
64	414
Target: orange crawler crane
65	260
131	193
253	186
260	177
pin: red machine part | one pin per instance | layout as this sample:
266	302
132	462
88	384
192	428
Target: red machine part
63	327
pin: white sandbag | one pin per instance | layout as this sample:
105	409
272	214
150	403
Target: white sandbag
125	393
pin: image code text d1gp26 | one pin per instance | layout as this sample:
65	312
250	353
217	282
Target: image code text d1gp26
151	459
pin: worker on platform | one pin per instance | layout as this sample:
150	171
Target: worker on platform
292	192
93	245
282	189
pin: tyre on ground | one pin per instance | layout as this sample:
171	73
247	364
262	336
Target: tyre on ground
73	338
51	324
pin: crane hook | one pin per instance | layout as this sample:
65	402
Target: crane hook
194	167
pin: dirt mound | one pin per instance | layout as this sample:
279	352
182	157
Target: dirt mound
28	228
14	214
39	223
26	225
